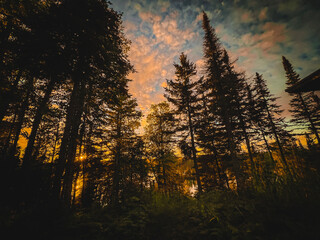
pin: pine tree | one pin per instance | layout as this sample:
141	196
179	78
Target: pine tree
257	120
270	114
123	119
221	93
206	135
159	134
181	92
242	115
98	61
301	104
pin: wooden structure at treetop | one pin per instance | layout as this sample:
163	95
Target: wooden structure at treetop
308	84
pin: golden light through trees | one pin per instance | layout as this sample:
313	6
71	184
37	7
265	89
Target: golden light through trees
214	159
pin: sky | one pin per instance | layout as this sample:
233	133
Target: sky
256	33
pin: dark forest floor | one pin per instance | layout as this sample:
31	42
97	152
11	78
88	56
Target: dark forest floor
282	212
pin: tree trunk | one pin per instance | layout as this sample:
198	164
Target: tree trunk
244	130
116	177
69	143
274	130
73	143
21	115
232	149
5	100
27	159
305	108
214	149
268	147
194	153
215	152
12	126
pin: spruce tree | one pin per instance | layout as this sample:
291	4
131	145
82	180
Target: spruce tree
258	122
159	137
301	104
221	94
242	115
181	92
98	61
123	119
270	114
206	136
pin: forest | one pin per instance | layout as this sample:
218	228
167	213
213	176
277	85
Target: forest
216	160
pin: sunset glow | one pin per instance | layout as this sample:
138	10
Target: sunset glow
160	119
257	33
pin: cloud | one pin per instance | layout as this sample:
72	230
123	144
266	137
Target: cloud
157	42
246	17
256	32
263	14
167	30
149	17
164	84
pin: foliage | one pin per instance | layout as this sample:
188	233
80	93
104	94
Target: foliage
73	165
286	211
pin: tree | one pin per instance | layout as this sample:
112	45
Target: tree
159	134
222	104
257	120
123	119
239	93
270	114
98	61
206	135
181	92
302	110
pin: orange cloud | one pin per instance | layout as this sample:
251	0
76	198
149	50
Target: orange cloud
150	65
153	57
150	17
263	14
273	33
164	84
167	31
246	17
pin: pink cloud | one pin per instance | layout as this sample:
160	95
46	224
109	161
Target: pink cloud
273	34
263	14
199	18
164	84
152	68
246	17
153	57
247	39
149	17
168	32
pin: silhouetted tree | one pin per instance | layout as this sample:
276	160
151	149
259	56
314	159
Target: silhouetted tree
302	110
99	49
159	134
123	119
270	114
181	93
257	120
222	104
242	115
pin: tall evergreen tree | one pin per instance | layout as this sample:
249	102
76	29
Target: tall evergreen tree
257	120
206	135
301	104
181	92
221	90
242	114
271	113
123	119
159	134
98	49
